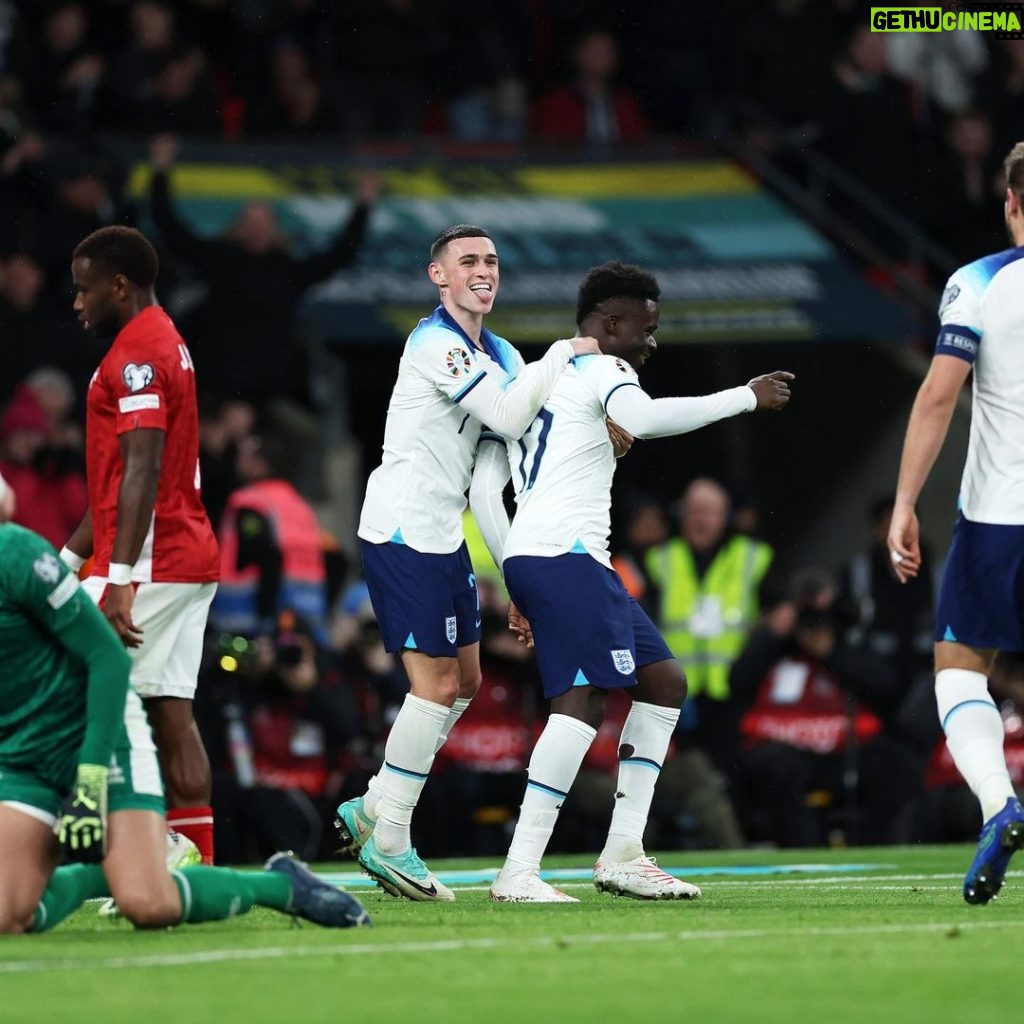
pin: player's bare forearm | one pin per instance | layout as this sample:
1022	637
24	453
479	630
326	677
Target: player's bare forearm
80	542
142	451
926	433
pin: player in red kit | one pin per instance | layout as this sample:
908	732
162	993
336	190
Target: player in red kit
155	555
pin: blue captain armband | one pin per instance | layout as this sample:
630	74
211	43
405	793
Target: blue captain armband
961	342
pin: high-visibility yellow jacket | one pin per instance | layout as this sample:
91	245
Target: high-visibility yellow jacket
705	621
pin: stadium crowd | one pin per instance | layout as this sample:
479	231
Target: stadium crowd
811	729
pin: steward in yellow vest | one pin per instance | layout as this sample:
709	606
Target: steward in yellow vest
707	608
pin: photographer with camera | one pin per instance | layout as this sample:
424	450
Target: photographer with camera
287	721
814	725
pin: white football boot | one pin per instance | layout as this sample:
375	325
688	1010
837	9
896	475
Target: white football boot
527	887
641	879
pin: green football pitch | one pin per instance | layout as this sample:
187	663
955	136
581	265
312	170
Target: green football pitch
826	936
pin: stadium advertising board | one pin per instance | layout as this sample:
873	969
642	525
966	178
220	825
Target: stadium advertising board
733	262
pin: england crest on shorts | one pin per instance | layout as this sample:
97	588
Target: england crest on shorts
451	630
624	663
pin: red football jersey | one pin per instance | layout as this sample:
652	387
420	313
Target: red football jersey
147	380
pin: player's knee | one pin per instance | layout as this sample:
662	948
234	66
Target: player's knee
663	683
469	682
13	921
147	908
188	782
440	687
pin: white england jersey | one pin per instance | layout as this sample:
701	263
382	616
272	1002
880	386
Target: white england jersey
418	493
562	467
982	317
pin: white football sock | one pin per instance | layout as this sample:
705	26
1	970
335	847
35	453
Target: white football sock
974	736
375	788
646	734
553	768
408	755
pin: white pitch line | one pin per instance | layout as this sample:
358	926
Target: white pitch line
835	882
216	956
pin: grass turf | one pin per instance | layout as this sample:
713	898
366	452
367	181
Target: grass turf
890	940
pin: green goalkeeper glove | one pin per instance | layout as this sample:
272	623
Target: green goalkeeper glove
83	820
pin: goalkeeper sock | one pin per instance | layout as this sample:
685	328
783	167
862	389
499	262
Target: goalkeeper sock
195	823
69	887
216	894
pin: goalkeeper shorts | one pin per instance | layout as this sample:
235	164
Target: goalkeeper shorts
133	784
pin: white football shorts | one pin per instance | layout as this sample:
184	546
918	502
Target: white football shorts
172	617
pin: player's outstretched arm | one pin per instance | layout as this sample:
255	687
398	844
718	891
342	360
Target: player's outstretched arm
926	432
510	411
771	390
634	410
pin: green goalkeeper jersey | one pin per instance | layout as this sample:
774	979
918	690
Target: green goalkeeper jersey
64	671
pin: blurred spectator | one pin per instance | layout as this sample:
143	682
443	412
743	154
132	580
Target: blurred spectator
63	76
184	96
219	437
292	101
814	728
864	111
646	528
51	496
943	67
592	106
481	72
35	334
272	552
963	206
73	189
158	81
787	88
1000	92
381	58
55	392
285	721
244	334
708	582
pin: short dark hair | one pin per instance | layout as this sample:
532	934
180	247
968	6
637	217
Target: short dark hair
450	234
121	250
1014	167
614	280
